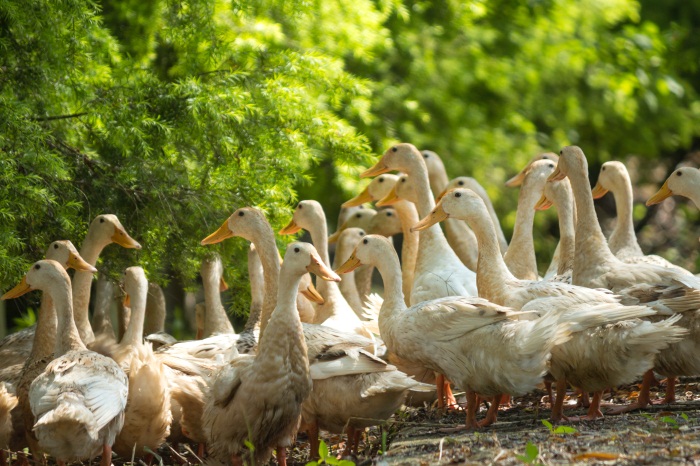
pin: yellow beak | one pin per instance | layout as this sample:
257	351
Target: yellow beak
360	199
78	263
290	229
378	169
599	191
558	175
312	294
123	239
127	300
543	203
517	180
389	199
219	235
222	285
349	265
660	195
22	288
318	268
441	195
437	215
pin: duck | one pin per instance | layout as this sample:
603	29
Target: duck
459	236
385	223
622	242
517	180
637	342
346	377
335	312
438	272
378	189
345	243
8	401
43	346
101	320
257	399
79	400
154	324
596	266
481	346
147	416
683	181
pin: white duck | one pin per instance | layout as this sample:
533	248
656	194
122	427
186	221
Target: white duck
80	398
559	193
438	272
684	181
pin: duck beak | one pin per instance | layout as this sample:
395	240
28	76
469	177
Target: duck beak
660	195
599	191
312	294
378	169
441	195
437	215
318	268
349	265
122	238
334	237
78	263
223	286
290	229
219	235
557	175
360	199
517	180
22	288
127	300
543	203
389	199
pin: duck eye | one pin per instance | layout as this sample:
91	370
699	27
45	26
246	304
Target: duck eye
561	152
297	249
544	157
551	165
461	183
388	214
425	156
358	215
55	246
362	233
365	241
603	169
679	173
240	214
458	194
381	180
37	266
403	180
394	149
102	220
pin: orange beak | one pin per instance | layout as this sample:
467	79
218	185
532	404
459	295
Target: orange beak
378	169
349	265
437	215
78	263
312	294
543	203
318	268
599	191
558	175
290	229
127	300
334	237
223	286
389	199
219	235
22	288
122	238
517	180
660	195
360	199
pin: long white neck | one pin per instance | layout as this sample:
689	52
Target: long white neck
155	310
520	256
623	236
269	257
68	338
348	285
216	320
408	216
82	282
257	288
133	336
45	333
564	201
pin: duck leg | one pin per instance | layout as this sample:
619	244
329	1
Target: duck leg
449	396
106	455
670	390
642	400
356	440
201	449
506	401
350	432
558	405
550	393
594	411
492	413
312	432
472	407
281	454
236	460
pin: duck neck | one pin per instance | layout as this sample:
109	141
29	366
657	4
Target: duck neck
348	285
567	228
284	334
82	282
269	257
216	320
319	238
408	216
46	327
623	236
68	338
438	180
257	289
133	336
390	270
154	321
520	256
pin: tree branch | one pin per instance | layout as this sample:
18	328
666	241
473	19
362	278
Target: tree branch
60	117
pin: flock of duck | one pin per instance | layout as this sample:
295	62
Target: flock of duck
462	307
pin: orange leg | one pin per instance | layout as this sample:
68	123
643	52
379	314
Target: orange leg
312	432
492	413
548	387
670	390
585	400
450	399
506	401
106	455
558	405
350	432
643	398
440	387
593	410
356	440
472	407
281	454
201	450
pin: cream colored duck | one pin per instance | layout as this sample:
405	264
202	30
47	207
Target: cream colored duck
479	345
385	223
258	399
596	266
635	342
147	416
517	180
623	240
520	256
101	320
345	383
335	312
79	400
559	193
459	236
378	189
345	243
154	324
438	272
43	347
684	181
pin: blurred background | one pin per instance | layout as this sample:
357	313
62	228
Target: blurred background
172	114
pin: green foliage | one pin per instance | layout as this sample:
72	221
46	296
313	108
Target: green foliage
24	320
531	454
325	457
559	429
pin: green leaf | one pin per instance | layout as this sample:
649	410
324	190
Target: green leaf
531	450
249	445
548	425
323	451
565	430
346	463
